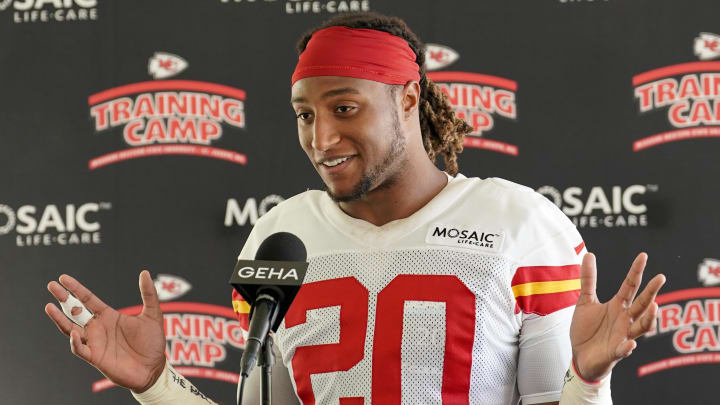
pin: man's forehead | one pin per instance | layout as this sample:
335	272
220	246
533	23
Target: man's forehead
322	87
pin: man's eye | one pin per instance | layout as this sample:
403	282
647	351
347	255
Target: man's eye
344	108
303	116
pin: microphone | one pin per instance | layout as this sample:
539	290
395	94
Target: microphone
269	284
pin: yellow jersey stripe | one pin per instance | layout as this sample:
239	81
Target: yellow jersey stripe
545	287
241	307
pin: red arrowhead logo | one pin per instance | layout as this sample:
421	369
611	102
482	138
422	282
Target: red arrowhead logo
439	56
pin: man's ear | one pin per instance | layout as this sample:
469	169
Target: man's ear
410	99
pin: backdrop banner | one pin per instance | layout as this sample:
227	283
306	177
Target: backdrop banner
154	134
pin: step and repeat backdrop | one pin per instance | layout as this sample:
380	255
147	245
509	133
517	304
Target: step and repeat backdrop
153	135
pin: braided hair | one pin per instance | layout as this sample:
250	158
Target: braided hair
442	131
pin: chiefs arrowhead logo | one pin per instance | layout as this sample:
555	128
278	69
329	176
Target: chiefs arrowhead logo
707	46
709	272
439	56
163	65
170	287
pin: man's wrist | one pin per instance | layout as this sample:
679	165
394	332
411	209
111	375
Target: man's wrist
578	391
156	389
579	374
588	375
172	389
160	372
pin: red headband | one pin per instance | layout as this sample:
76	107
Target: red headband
357	52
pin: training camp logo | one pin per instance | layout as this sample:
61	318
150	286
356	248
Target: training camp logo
32	11
477	98
691	317
250	212
199	336
168	117
689	93
53	225
602	207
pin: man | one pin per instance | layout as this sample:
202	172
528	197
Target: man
423	287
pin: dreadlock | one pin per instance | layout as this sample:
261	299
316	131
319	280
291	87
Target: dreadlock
442	131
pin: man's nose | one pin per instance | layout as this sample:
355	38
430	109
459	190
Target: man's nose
325	133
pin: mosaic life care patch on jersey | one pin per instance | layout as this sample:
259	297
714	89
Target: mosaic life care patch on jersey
465	236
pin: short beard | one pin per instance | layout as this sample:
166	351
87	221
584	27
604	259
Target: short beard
370	178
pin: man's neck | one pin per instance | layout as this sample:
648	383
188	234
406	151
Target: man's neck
402	198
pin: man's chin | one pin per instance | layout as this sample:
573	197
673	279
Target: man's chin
355	193
343	197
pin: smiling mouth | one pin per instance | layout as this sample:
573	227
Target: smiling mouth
335	166
335	162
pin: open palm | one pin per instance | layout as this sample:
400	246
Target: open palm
604	333
128	350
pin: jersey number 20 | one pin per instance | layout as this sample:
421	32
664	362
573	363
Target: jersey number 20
352	297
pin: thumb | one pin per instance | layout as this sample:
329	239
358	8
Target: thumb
588	280
151	303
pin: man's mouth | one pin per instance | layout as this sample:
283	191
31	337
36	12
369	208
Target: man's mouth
335	162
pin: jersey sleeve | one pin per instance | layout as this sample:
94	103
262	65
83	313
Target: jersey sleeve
546	286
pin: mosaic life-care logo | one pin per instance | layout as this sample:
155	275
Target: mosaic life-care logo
168	117
477	98
602	206
53	224
237	214
42	11
689	93
302	7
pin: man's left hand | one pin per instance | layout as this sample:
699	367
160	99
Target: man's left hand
604	333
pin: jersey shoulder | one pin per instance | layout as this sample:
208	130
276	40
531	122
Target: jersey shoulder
527	219
292	210
522	198
517	205
297	215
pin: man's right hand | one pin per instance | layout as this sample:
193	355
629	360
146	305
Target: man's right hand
128	350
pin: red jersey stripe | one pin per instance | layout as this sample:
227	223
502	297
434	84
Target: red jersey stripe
532	274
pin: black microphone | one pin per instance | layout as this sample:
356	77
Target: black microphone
269	284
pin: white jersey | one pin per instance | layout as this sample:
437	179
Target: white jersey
467	301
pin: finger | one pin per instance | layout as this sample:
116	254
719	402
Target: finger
630	285
151	302
644	324
71	306
88	299
588	279
78	348
58	291
62	322
625	349
647	297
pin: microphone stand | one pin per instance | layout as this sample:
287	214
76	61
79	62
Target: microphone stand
267	361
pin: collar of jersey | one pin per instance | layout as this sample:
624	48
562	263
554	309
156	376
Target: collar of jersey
381	236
